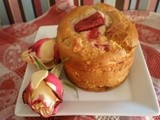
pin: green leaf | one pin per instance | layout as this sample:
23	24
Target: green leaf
38	63
56	70
69	84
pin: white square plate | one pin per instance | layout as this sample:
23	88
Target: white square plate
135	97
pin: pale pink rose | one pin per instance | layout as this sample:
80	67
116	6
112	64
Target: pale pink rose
44	49
44	93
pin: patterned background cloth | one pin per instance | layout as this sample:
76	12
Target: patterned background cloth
18	37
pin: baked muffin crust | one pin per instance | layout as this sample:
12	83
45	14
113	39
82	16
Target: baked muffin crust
97	46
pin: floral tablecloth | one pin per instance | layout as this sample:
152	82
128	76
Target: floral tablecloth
18	37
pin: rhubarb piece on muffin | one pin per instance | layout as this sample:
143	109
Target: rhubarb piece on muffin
96	44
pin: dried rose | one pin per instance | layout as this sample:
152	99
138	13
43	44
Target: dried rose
44	93
43	49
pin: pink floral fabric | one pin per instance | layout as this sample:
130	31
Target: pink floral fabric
18	37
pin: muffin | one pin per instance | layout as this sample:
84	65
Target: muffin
96	44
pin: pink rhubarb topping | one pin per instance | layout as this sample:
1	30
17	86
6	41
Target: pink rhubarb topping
95	20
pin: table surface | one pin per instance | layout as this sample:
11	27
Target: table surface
18	37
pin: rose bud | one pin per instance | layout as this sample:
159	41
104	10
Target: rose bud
43	49
44	93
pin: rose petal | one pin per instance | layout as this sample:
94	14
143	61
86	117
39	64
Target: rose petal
37	44
46	51
55	84
37	77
